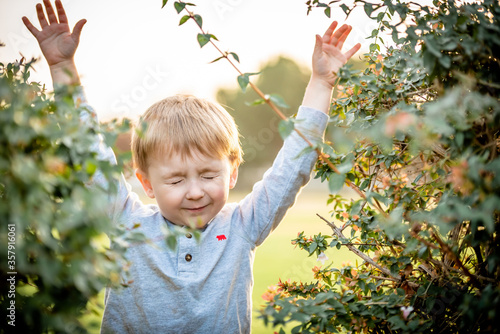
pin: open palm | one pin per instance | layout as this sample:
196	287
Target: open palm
328	57
57	42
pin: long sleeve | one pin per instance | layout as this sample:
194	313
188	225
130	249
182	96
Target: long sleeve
124	197
264	208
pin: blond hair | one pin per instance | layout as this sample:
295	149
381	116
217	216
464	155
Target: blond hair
185	125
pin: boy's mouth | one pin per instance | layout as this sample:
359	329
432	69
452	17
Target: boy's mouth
196	209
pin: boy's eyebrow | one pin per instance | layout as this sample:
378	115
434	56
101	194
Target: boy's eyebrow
168	175
209	169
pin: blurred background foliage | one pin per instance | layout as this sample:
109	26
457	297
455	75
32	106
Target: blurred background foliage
53	226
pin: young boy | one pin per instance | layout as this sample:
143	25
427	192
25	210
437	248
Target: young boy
188	160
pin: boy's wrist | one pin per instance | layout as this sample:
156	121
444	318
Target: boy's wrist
65	73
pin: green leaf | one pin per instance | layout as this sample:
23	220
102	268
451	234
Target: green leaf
374	47
203	39
346	165
235	56
255	103
430	44
278	100
198	20
179	6
171	241
327	12
312	248
244	80
164	3
184	19
368	9
216	59
336	182
346	9
429	61
286	127
445	61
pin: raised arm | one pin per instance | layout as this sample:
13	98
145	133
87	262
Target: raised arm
57	42
326	61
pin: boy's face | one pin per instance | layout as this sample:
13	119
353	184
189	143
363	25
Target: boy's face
189	191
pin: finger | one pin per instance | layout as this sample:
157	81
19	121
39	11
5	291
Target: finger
342	38
328	33
352	51
30	26
41	16
77	30
60	12
50	12
338	34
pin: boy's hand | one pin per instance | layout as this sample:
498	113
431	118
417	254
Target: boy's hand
57	42
326	61
327	55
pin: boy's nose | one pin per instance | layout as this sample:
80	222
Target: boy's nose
195	191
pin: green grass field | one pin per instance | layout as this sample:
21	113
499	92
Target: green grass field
276	258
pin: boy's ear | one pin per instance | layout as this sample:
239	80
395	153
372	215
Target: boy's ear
233	178
146	184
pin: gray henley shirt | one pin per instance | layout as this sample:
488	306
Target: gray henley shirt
205	286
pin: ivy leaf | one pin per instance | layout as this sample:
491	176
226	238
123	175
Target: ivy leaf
164	3
244	80
286	127
179	6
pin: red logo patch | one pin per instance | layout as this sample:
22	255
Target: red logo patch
221	237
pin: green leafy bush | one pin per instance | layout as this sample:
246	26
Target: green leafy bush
54	254
416	134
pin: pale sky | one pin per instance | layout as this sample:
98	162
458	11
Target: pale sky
133	53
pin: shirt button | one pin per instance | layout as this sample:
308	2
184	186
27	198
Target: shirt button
189	235
188	257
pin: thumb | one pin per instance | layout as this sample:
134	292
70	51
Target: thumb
77	30
318	47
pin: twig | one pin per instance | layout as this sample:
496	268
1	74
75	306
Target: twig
353	249
323	157
447	250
